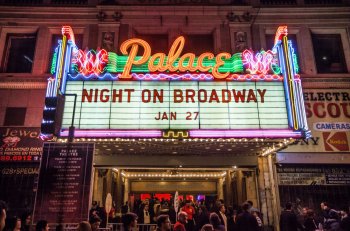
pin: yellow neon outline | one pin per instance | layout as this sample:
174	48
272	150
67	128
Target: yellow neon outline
63	49
175	134
291	90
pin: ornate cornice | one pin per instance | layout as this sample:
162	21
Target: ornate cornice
23	85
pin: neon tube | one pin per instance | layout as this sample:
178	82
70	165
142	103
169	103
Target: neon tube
114	133
249	133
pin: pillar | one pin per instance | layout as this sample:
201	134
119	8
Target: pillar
126	190
119	197
269	201
219	188
228	193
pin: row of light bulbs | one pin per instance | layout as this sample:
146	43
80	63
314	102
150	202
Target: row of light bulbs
152	175
276	148
63	140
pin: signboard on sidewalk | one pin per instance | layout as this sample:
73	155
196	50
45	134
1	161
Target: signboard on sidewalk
64	183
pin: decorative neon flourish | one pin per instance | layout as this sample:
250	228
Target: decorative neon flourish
177	77
281	31
68	31
258	64
91	62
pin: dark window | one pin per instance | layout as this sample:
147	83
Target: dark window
199	43
158	42
329	53
54	43
19	53
15	116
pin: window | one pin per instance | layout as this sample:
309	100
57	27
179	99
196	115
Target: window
158	42
15	116
329	53
199	43
54	43
19	53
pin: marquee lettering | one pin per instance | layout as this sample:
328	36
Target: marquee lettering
186	61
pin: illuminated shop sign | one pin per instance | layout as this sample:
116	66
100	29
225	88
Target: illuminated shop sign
224	95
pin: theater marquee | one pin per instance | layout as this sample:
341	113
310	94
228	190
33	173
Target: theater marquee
223	95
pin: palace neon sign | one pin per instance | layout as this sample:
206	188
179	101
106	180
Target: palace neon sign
220	66
95	75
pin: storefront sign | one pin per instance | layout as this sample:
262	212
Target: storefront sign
177	105
328	113
318	175
64	183
20	144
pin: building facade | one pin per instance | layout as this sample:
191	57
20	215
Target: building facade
130	169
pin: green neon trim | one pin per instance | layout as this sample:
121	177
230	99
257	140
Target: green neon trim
54	62
295	62
117	63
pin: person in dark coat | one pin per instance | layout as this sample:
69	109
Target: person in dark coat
202	218
345	219
246	221
330	217
215	221
310	223
288	220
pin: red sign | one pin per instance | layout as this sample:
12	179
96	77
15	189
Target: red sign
335	141
20	144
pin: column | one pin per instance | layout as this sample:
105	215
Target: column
219	188
126	190
228	179
119	197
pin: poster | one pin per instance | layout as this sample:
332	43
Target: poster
64	183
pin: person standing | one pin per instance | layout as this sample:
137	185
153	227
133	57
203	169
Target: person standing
189	209
3	208
310	222
345	219
181	222
330	217
129	221
215	221
246	221
163	223
222	215
288	220
145	215
42	225
95	223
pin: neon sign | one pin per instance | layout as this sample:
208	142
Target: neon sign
220	66
177	91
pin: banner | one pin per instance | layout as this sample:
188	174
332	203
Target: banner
313	175
64	183
328	116
20	144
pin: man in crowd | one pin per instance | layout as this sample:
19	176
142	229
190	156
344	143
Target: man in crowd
345	219
188	208
95	223
288	220
181	222
2	215
246	221
330	217
163	223
222	215
145	216
129	221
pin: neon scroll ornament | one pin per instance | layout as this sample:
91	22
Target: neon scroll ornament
90	62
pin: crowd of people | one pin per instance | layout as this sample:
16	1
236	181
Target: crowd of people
191	216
